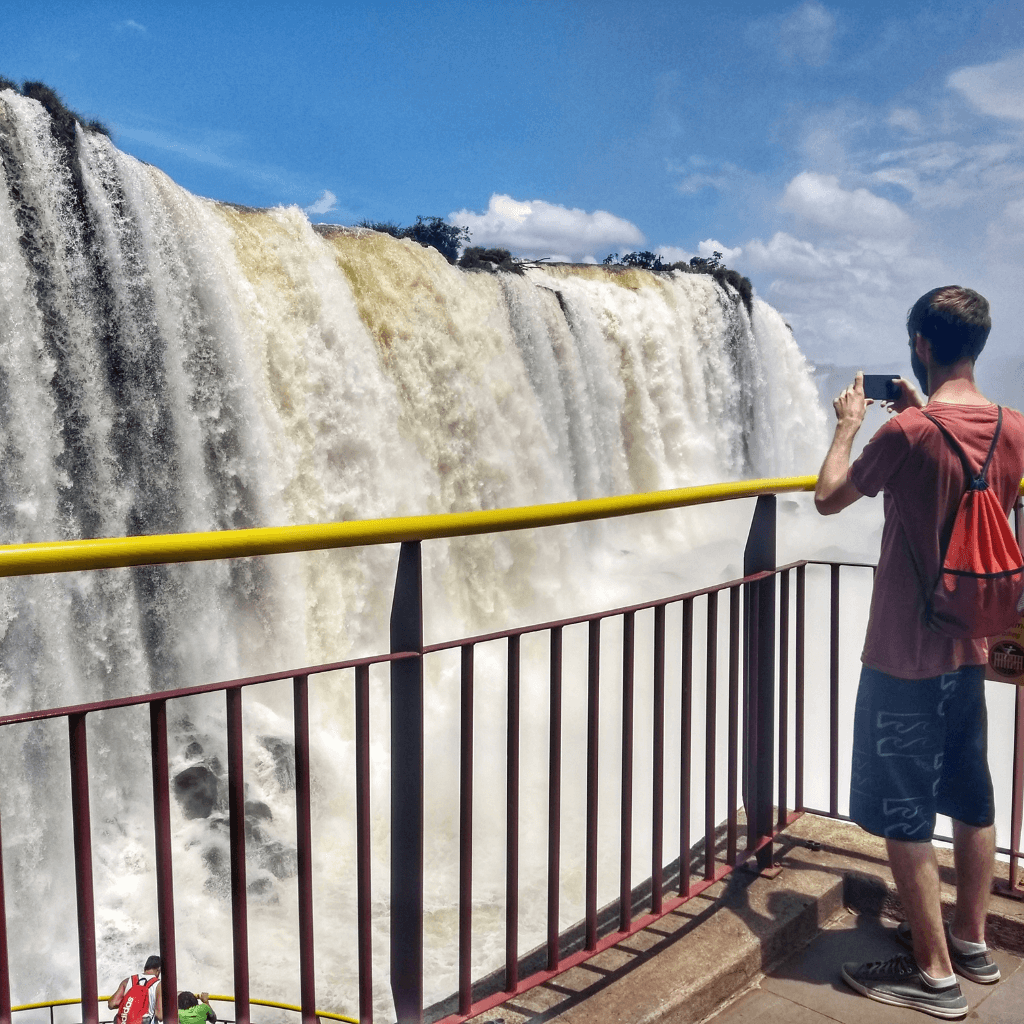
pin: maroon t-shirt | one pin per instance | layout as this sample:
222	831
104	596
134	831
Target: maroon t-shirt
923	481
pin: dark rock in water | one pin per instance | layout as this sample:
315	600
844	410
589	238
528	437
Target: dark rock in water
283	753
196	790
193	750
216	860
255	812
280	860
260	886
258	809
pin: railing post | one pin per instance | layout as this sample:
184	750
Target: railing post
164	869
304	846
5	979
759	676
236	831
83	867
407	789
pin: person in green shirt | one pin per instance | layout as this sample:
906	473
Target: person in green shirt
195	1011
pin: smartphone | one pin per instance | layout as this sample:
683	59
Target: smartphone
881	386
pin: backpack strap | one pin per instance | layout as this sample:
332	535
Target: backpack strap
974	482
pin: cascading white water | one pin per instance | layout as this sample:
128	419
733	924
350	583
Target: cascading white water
168	364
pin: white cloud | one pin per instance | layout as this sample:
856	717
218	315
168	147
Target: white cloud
711	245
819	200
847	300
996	89
907	119
805	34
673	254
699	173
131	26
537	228
324	204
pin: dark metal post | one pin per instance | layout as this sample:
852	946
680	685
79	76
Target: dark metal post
759	682
626	805
407	789
83	868
236	832
304	844
5	980
363	896
593	785
554	797
164	869
512	822
466	836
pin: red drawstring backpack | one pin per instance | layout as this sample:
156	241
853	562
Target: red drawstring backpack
981	582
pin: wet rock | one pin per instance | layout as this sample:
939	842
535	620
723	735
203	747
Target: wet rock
194	750
196	790
280	860
283	753
260	886
255	812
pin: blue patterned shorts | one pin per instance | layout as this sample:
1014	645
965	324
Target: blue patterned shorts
920	749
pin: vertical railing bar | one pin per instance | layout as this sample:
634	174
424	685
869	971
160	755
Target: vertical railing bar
236	838
5	978
710	715
466	835
833	762
364	904
733	736
1017	796
304	844
512	822
801	609
626	828
593	733
83	866
164	865
658	768
783	799
554	795
685	746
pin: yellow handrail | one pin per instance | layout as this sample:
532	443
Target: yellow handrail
221	999
115	552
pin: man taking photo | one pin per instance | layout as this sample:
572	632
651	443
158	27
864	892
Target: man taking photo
919	746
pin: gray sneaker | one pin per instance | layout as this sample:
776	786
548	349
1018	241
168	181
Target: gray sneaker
979	967
899	982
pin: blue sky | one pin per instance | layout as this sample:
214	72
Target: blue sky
846	157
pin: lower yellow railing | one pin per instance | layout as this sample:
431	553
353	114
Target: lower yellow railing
50	1004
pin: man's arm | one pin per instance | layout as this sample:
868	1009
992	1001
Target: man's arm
834	490
158	1002
115	1000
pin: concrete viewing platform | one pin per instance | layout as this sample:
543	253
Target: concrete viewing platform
760	949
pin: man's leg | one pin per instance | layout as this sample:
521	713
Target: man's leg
974	852
916	873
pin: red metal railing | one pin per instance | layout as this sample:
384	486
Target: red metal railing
765	779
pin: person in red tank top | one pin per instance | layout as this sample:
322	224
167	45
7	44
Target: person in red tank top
148	987
920	719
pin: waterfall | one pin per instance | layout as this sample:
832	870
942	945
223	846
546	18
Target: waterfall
169	363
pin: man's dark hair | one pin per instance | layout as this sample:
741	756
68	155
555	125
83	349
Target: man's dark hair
186	1000
955	320
154	963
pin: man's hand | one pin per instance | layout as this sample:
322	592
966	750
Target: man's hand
851	403
909	398
834	490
